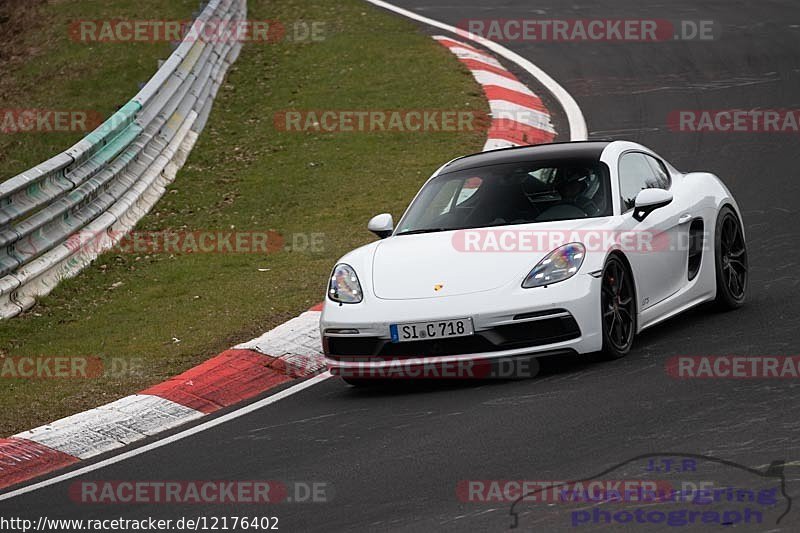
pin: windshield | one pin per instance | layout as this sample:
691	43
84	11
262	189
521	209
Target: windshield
511	193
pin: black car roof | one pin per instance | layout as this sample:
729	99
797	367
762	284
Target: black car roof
564	150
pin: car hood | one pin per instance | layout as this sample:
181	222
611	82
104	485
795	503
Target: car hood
434	265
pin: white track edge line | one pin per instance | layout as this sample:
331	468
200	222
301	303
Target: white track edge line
577	124
170	439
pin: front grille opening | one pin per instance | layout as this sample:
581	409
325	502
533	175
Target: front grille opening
506	337
536	314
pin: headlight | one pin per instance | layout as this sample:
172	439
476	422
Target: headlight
344	286
560	264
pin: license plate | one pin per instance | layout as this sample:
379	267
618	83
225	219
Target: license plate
439	329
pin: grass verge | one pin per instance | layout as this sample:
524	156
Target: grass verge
168	312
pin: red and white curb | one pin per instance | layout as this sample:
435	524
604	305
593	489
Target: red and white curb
518	115
295	345
291	350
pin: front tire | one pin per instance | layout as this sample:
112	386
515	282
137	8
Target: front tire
730	260
617	309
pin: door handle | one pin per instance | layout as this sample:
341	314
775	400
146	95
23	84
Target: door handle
686	217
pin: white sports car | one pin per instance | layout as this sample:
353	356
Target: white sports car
530	251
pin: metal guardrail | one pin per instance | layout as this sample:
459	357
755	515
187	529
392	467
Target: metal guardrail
110	179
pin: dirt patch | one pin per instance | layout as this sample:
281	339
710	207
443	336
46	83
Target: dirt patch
20	21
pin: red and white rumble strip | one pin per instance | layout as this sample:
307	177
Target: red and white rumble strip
290	351
518	116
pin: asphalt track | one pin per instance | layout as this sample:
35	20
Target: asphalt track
393	459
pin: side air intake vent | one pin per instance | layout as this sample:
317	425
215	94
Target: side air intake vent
696	240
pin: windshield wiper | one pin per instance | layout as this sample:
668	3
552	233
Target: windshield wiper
424	230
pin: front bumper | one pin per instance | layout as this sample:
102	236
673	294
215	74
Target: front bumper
511	321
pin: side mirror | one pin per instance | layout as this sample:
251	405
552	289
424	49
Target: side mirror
381	225
648	200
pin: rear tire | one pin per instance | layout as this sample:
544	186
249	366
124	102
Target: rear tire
617	309
730	260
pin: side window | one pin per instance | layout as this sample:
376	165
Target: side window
664	181
638	172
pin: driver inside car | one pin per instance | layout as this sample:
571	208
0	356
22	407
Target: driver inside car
572	188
